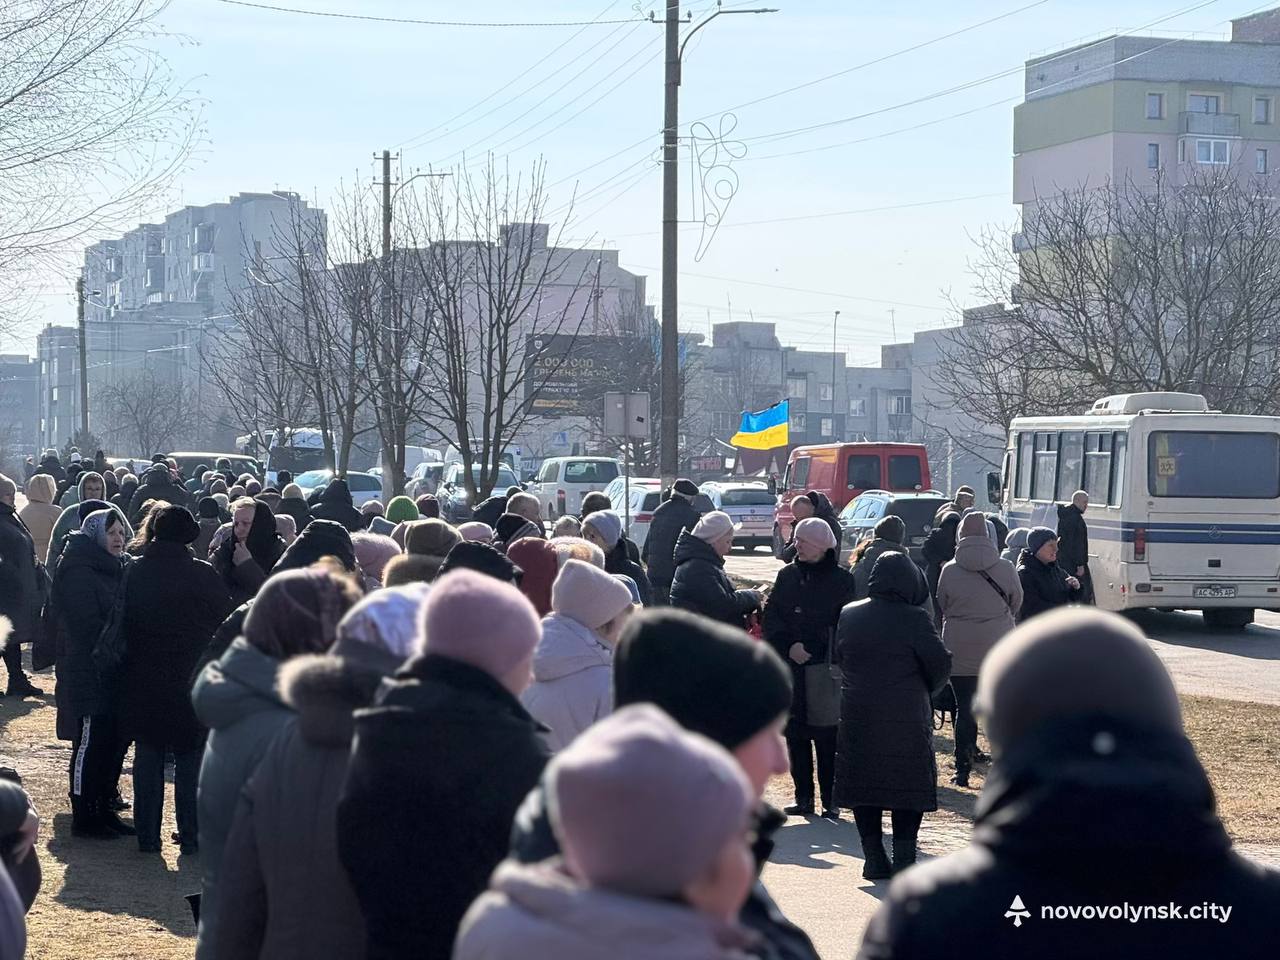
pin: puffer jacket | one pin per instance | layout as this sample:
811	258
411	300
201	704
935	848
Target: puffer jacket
40	515
701	585
974	615
572	680
237	698
286	894
539	911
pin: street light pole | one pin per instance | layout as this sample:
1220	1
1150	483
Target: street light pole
669	458
834	321
84	361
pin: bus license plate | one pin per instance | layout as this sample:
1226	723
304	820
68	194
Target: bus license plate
1213	592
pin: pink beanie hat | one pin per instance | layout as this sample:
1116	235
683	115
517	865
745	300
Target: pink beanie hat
816	531
587	594
474	530
634	768
481	621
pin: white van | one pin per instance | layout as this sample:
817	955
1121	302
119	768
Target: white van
562	482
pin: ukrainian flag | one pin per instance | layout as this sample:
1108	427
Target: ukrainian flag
764	430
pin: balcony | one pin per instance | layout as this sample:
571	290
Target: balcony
1210	124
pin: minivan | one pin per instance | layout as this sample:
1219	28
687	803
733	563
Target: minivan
842	471
562	482
749	505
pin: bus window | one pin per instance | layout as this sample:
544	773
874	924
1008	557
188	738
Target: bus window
1187	463
1026	448
1119	457
1070	462
904	472
1046	466
863	472
1097	466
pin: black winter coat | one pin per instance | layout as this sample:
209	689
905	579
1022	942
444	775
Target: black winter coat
297	508
670	520
53	467
701	585
804	607
19	596
1044	586
1073	538
158	484
892	662
173	603
489	510
336	504
532	841
438	768
1059	824
84	590
940	548
618	561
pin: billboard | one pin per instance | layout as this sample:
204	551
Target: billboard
568	376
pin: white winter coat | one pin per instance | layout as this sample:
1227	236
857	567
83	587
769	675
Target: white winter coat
572	679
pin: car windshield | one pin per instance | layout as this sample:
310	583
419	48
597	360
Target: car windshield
917	514
506	476
747	497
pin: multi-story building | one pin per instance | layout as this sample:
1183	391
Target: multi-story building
57	353
19	409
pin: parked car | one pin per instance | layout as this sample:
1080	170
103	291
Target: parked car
452	491
646	494
187	462
425	478
751	507
842	471
862	513
562	482
364	486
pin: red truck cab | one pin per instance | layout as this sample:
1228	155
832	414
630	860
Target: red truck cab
844	470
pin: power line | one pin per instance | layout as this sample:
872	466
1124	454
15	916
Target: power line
427	23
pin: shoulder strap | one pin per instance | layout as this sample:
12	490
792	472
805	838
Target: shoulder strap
1008	601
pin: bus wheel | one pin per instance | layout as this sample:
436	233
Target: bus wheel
1231	618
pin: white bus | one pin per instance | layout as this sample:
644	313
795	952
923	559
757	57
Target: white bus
1184	510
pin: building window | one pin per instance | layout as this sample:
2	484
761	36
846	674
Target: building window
1153	156
1203	103
798	423
1213	151
858	406
1155	106
1260	161
1182	151
724	424
900	404
825	427
1261	109
824	391
797	387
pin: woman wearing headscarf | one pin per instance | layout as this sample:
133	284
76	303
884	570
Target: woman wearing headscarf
71	520
173	603
287	895
244	559
84	594
238	698
320	539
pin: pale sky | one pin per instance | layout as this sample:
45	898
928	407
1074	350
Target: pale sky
301	102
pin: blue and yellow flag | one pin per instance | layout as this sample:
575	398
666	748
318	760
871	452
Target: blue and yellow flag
764	430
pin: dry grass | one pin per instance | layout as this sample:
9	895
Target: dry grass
103	899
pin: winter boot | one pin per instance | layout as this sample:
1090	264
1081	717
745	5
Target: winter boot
903	856
876	865
799	809
86	821
111	820
20	685
961	778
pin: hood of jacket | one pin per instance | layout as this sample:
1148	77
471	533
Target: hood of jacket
567	647
337	492
242	682
551	915
976	552
41	488
689	547
319	538
157	475
325	691
895	577
821	503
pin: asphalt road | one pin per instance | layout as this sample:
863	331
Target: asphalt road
1231	664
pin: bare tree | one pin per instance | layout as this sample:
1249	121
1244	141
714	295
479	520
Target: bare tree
1126	288
92	125
146	412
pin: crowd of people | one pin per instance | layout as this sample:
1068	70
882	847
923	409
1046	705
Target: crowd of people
392	737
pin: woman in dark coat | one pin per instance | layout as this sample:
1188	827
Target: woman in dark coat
892	662
173	603
700	583
799	623
244	559
336	504
1045	585
83	594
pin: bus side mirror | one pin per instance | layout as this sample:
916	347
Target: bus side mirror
993	488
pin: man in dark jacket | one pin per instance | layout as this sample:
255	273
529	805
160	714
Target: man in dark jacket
51	465
712	680
800	624
960	503
700	583
490	510
336	504
439	767
812	504
1073	543
1095	800
157	484
1045	584
670	520
20	589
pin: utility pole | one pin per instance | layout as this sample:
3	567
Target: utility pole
84	358
669	458
834	321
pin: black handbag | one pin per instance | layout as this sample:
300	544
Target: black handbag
944	702
108	650
822	689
